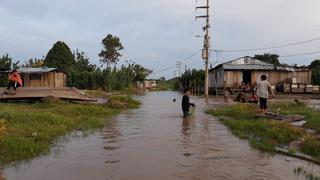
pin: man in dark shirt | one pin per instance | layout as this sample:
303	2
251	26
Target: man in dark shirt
186	104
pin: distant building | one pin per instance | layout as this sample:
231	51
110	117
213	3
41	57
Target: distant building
249	70
43	77
147	84
153	84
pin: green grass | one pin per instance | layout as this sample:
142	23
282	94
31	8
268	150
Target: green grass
313	120
97	93
130	90
123	102
29	129
266	134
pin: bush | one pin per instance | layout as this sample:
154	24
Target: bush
108	79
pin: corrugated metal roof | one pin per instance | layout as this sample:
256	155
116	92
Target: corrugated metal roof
35	70
250	63
248	67
296	69
247	60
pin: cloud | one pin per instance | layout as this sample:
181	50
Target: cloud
158	33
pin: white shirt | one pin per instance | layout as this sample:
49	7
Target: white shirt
263	89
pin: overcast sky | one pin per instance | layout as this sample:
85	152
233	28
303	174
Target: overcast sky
157	33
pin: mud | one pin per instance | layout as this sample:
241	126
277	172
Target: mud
155	142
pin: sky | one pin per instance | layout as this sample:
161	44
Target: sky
158	33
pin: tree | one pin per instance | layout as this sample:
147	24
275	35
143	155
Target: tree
60	57
111	47
268	58
315	68
314	64
5	62
162	78
82	62
316	75
140	72
34	63
192	79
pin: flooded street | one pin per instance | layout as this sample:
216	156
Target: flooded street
154	142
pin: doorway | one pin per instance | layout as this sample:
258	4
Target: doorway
246	77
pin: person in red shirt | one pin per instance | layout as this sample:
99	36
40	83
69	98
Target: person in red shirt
254	98
14	80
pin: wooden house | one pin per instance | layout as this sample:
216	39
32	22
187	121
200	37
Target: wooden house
43	77
249	70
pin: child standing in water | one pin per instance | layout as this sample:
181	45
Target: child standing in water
186	104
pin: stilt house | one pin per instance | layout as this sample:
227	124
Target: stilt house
249	70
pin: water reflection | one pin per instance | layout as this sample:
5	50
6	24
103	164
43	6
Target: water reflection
187	125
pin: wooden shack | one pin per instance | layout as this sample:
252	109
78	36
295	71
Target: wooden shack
43	77
249	70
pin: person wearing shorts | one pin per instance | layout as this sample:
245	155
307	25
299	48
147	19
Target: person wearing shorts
264	91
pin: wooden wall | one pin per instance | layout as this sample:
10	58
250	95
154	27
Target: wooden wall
50	79
232	78
274	77
218	76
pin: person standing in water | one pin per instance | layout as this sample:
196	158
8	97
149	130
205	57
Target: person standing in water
186	103
263	91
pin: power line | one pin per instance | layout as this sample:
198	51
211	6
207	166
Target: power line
174	65
266	48
301	54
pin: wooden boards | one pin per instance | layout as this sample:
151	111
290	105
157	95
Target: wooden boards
39	93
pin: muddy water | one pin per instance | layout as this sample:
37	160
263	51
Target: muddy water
154	142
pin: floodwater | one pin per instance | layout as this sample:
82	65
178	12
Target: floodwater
155	143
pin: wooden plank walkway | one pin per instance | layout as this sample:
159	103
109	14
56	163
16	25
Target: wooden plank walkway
40	93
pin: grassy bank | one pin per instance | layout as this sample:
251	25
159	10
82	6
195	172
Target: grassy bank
29	129
131	90
266	134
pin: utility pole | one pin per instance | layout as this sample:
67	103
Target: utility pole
206	46
185	79
179	67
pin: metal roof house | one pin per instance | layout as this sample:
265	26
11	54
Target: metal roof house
249	70
42	77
